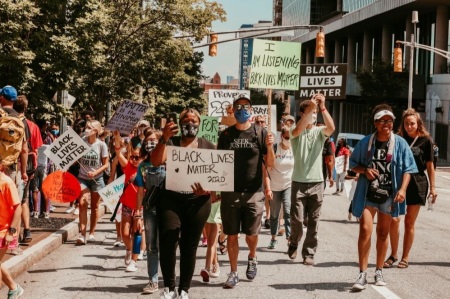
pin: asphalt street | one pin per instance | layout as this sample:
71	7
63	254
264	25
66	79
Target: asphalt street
97	269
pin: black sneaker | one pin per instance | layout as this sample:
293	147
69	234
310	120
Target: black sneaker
267	224
26	236
361	282
292	251
251	268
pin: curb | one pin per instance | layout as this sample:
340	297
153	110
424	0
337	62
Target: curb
20	263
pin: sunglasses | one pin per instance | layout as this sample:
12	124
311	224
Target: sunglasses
239	107
260	121
382	121
134	157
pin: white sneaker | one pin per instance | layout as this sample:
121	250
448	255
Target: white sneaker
215	271
117	243
52	208
76	212
127	257
81	240
141	256
168	295
131	267
35	214
69	210
91	238
184	295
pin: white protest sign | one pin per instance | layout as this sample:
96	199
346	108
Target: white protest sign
339	164
264	111
67	149
126	117
220	99
275	65
112	193
213	169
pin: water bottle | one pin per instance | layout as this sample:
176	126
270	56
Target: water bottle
137	242
430	203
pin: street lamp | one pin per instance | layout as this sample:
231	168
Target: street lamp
415	20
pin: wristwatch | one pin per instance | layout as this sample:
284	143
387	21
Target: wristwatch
162	141
12	230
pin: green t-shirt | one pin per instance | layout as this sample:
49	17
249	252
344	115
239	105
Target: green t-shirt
307	149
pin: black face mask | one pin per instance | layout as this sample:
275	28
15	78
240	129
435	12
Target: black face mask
189	130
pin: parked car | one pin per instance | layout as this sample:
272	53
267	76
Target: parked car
351	139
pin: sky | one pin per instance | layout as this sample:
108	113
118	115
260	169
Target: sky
239	12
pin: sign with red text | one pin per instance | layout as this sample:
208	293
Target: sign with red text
213	169
61	186
327	79
67	149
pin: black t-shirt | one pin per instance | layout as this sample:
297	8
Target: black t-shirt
422	151
379	162
249	148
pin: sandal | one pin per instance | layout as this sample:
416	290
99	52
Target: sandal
403	264
222	247
390	262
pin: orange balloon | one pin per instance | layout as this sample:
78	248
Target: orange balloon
61	186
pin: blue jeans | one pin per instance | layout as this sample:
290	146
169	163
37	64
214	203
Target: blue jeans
151	239
280	198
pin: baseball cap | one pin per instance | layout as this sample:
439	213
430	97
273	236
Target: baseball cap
143	122
9	93
289	117
242	97
382	113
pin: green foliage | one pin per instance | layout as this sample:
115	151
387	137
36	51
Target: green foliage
379	83
99	50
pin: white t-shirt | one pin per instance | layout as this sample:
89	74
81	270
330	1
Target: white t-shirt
281	172
93	159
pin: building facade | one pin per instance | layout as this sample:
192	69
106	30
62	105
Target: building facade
358	32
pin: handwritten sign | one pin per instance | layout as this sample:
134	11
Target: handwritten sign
67	149
264	111
209	128
214	169
220	99
60	186
111	194
126	117
275	65
339	164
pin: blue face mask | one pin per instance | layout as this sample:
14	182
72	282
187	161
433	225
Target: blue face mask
242	115
55	132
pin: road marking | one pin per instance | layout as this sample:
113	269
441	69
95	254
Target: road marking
385	292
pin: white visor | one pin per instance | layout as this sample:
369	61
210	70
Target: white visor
382	113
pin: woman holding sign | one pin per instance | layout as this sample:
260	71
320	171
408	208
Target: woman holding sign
181	216
91	178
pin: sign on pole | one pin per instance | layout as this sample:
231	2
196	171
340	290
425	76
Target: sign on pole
111	194
126	117
67	149
275	65
327	79
209	128
339	164
219	99
264	111
213	169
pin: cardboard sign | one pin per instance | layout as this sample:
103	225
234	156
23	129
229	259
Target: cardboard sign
275	65
209	128
126	117
61	186
213	169
327	79
67	149
112	193
339	164
264	111
220	99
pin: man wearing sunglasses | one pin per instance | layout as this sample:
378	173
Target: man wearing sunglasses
242	209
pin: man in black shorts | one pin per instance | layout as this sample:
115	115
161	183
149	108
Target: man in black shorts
241	210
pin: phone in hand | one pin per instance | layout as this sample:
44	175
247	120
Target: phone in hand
172	117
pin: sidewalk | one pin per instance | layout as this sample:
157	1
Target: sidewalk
45	240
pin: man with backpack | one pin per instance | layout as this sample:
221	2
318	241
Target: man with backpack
13	146
242	209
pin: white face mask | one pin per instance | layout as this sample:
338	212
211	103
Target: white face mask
286	142
313	119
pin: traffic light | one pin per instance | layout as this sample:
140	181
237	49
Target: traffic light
320	43
398	59
213	38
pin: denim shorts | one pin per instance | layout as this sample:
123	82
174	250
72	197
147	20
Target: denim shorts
386	207
94	185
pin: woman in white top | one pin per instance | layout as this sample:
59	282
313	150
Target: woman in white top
280	184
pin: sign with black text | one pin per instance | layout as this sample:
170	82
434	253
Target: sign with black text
126	117
67	149
327	79
220	99
213	169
